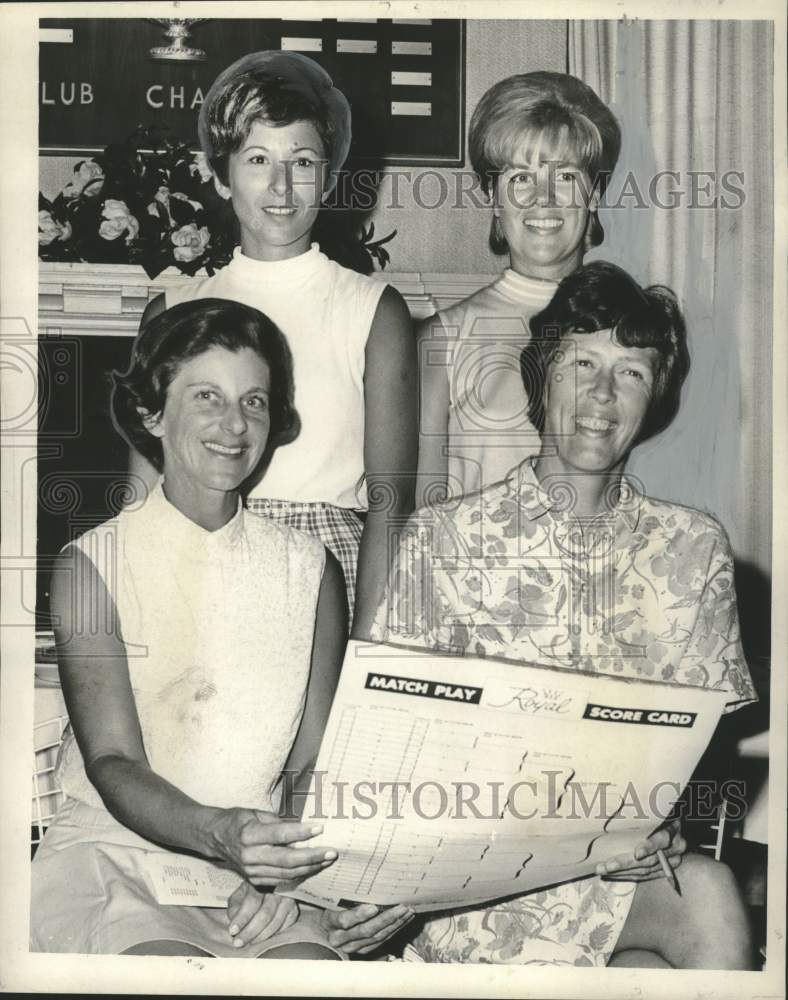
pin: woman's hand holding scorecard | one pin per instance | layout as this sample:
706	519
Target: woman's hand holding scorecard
260	846
644	864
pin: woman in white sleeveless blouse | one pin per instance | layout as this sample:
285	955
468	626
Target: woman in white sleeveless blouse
275	131
199	647
543	146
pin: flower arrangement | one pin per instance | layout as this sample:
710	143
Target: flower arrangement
150	201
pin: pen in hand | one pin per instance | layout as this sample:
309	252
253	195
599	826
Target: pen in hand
668	872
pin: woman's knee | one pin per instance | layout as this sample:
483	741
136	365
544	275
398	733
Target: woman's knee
638	958
716	894
171	948
713	929
710	882
302	950
707	927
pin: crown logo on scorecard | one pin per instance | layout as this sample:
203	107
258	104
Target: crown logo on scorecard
424	689
639	716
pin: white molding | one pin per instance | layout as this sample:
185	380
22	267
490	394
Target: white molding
108	299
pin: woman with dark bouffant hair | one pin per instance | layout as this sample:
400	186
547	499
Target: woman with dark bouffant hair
275	132
184	332
199	647
543	146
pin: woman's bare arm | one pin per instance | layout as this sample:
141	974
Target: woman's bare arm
328	650
390	447
101	706
433	412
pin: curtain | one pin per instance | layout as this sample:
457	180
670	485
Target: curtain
695	97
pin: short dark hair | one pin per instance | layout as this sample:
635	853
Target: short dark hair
183	332
259	97
601	296
277	88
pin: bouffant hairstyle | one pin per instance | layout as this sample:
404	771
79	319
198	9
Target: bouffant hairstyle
183	332
556	117
601	296
278	88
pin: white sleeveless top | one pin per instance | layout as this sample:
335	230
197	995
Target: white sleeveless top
489	429
325	311
218	628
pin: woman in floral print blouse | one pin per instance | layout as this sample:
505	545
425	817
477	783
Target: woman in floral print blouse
567	563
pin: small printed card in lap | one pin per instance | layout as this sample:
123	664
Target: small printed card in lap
180	880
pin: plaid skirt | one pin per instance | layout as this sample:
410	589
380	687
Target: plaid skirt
338	528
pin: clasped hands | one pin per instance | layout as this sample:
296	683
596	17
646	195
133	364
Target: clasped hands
267	850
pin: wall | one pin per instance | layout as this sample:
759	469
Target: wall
443	239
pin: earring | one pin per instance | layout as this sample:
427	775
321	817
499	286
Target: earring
594	233
498	242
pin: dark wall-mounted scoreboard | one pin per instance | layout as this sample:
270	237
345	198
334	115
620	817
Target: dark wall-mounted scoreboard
404	78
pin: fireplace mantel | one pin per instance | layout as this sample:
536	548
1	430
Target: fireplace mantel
108	299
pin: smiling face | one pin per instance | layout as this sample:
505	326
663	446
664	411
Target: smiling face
214	427
543	207
596	398
276	180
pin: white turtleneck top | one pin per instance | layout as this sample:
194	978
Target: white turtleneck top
481	339
325	311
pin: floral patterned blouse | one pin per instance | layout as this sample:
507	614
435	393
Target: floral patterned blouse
646	591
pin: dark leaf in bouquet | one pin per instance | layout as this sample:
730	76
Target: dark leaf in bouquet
154	229
62	252
96	249
181	178
181	155
190	268
155	215
181	210
221	211
154	262
382	257
85	215
156	177
375	248
64	209
113	153
151	270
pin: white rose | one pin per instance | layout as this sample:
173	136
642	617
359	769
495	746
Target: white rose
117	221
190	242
88	180
200	166
50	229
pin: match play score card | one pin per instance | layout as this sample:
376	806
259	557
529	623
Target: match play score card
445	781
